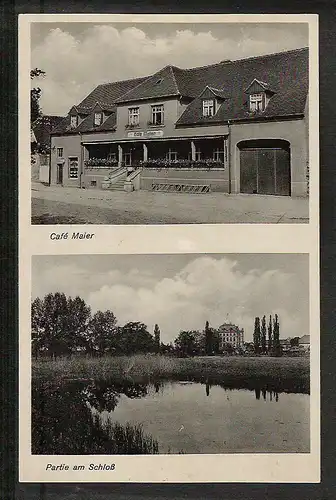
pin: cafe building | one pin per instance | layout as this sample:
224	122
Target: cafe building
233	127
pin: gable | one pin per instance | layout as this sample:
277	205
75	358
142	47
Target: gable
210	93
257	86
161	84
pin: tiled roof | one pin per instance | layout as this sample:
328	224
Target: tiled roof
161	84
105	95
285	72
43	126
87	125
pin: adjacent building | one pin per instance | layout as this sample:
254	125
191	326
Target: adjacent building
40	146
233	127
230	334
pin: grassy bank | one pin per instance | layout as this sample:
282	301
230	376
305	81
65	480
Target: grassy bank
281	374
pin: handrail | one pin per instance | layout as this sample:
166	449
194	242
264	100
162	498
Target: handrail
133	174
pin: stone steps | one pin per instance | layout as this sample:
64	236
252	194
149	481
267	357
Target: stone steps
118	185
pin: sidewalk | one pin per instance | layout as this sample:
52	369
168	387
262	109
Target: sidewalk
147	207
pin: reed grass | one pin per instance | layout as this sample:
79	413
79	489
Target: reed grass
284	373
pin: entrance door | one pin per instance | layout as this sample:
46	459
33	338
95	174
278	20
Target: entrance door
265	170
59	175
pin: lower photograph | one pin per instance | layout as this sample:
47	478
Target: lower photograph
180	354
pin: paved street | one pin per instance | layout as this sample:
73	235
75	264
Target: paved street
57	205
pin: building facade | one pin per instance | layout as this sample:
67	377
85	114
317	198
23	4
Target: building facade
230	334
232	127
40	146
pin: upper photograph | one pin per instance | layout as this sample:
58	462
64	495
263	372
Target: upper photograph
170	123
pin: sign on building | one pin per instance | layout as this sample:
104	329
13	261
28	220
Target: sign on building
135	134
154	133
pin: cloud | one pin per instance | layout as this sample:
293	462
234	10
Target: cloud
208	289
75	64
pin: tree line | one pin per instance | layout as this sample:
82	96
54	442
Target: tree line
64	325
266	337
201	343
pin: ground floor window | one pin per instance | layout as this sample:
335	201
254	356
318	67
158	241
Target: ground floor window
218	155
171	154
112	156
73	167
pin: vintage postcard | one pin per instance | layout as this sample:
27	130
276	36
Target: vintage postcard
169	248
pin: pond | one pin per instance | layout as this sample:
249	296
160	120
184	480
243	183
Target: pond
182	417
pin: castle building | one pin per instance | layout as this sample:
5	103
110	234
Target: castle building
230	334
233	127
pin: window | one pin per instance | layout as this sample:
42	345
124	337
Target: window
256	102
218	155
60	152
157	115
73	167
73	121
171	155
93	183
98	119
208	107
133	116
127	158
112	156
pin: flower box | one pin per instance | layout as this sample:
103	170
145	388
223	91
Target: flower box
132	125
100	162
182	163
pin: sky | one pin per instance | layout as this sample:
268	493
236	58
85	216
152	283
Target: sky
183	291
79	56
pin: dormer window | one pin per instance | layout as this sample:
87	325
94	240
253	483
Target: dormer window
73	121
208	107
257	102
98	119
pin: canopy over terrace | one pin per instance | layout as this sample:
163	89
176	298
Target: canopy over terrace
142	151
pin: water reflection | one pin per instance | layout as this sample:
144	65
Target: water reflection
63	415
271	393
103	395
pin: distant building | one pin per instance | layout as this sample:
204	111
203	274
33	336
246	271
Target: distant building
304	342
285	344
230	334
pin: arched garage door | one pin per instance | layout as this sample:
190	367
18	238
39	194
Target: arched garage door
265	167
